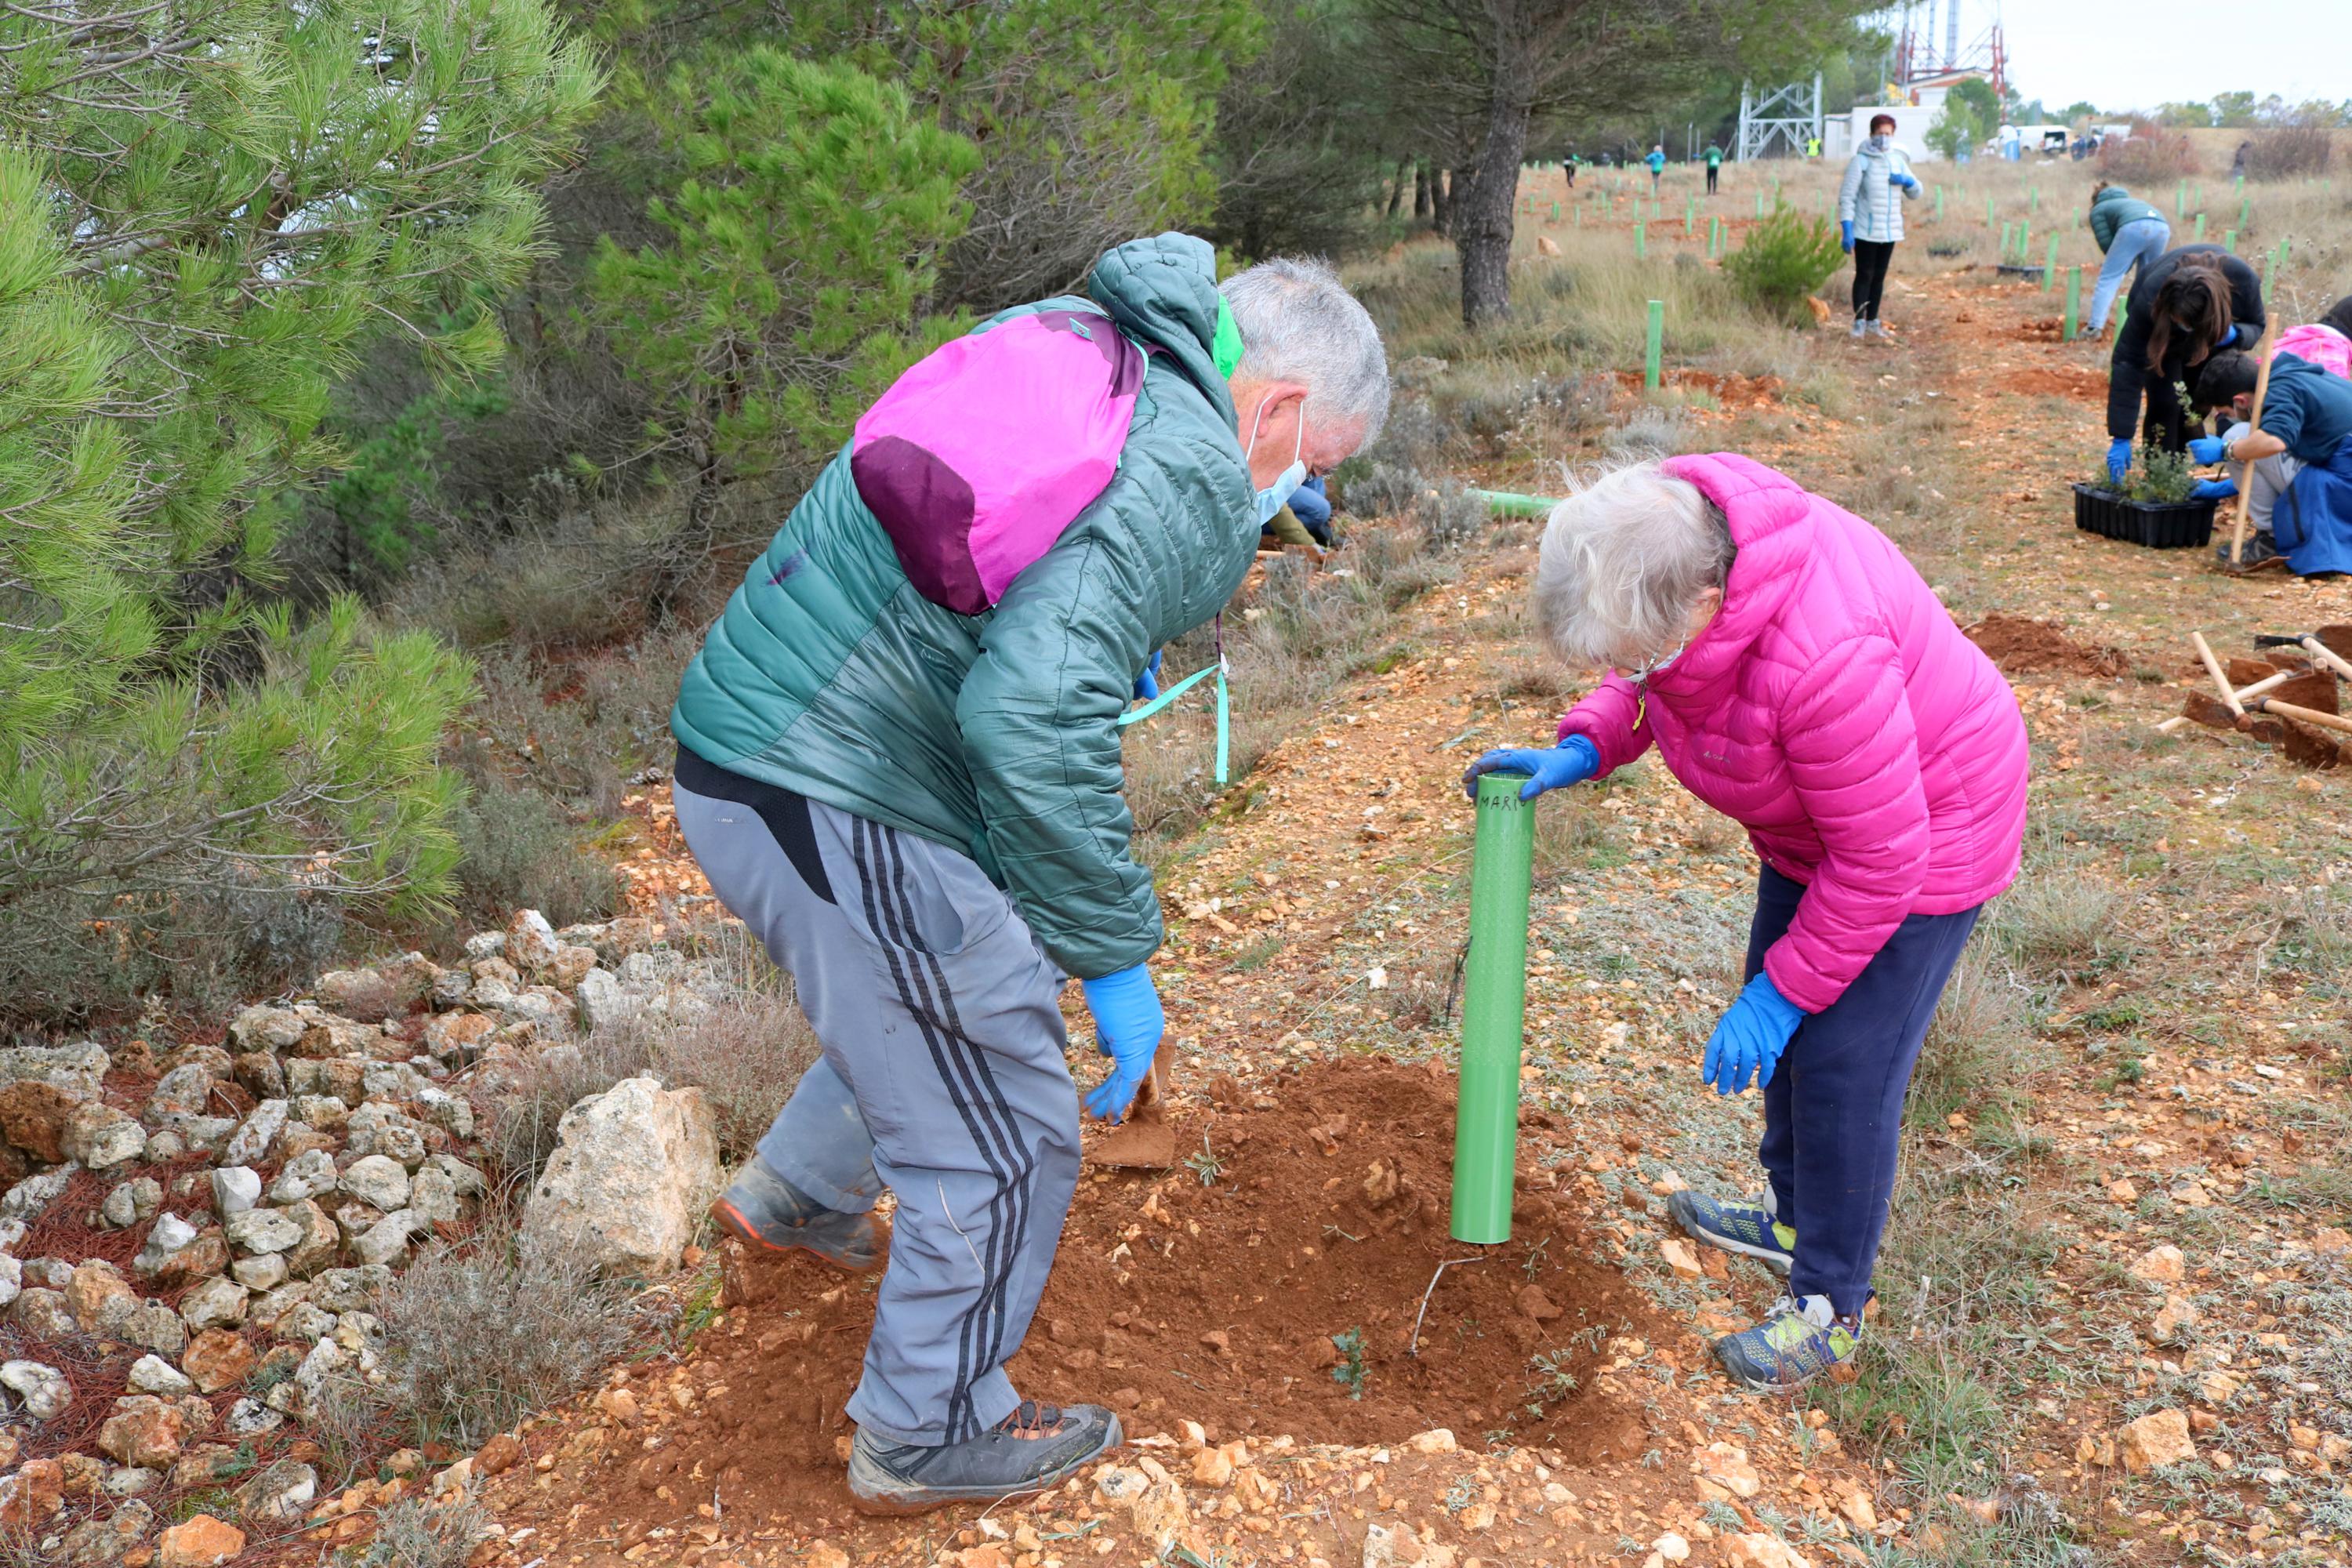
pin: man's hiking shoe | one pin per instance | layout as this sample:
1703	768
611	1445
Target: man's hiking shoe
1736	1228
1035	1447
2259	553
769	1213
1794	1344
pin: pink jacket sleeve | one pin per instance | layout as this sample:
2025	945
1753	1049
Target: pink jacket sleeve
1852	754
1613	720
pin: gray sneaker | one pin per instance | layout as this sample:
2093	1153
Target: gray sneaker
1855	336
1035	1447
766	1212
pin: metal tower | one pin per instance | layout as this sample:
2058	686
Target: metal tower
1781	119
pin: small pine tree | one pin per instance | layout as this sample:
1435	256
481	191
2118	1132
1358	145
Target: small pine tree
201	222
801	247
1784	259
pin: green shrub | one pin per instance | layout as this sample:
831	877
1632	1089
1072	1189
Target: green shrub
521	851
2156	477
1786	258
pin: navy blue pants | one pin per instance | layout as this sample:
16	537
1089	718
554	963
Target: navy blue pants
1833	1111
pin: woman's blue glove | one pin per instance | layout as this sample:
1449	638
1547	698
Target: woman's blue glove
1750	1039
2212	489
1904	181
2245	334
1129	1022
1845	234
1573	761
2206	448
2118	458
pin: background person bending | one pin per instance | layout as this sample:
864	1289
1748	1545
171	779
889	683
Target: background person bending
1796	674
2131	234
2188	304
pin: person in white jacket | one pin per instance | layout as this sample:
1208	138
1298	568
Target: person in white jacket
1878	181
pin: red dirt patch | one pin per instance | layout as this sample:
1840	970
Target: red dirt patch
1727	390
1173	1300
2058	380
2019	646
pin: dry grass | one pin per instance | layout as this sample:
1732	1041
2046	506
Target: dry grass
478	1337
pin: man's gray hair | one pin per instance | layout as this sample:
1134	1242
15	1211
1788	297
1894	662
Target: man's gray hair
1298	322
1624	559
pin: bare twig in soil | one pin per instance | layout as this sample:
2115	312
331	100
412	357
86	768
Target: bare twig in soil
1413	1346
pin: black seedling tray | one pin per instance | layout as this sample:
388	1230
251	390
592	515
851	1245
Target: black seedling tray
2159	525
2011	269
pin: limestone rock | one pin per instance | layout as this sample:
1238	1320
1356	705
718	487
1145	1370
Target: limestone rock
32	1118
78	1069
2155	1440
277	1493
203	1541
320	1243
104	1543
249	1144
1726	1466
433	1198
133	1202
260	1074
1391	1546
267	1029
2159	1265
144	1431
1758	1550
100	1137
387	1241
216	1301
217	1359
43	1388
1436	1440
304	1176
376	1179
264	1230
151	1373
33	1494
185	1091
235	1189
101	1299
155	1327
530	940
632	1173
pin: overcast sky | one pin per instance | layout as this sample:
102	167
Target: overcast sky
2141	53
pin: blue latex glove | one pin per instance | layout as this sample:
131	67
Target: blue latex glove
2118	458
1129	1022
2206	448
1904	182
2212	489
2245	334
1573	761
1845	234
1750	1039
1146	685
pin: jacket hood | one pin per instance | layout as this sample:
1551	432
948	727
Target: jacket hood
2111	193
1770	517
1162	292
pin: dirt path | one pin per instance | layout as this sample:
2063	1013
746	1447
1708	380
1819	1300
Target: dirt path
2179	1061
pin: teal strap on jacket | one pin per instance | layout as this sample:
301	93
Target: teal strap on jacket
1225	719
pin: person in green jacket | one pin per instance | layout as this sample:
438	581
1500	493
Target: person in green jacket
2132	234
919	809
1713	165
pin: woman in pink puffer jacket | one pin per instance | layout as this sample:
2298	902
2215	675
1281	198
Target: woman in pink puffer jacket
1796	674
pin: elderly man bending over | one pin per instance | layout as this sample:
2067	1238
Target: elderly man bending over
899	762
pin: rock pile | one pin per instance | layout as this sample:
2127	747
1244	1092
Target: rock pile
193	1235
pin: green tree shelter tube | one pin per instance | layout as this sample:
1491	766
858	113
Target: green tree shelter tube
1507	503
1494	1012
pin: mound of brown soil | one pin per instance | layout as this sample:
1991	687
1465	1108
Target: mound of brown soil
1173	1300
2058	380
2019	646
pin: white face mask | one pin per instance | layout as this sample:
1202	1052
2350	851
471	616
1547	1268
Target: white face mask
1270	499
1881	143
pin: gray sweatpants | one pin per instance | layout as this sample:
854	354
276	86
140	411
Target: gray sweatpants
943	1078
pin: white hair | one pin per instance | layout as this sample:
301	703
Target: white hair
1298	322
1625	561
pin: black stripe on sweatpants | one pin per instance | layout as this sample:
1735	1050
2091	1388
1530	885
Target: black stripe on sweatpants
885	921
1009	1211
1004	1124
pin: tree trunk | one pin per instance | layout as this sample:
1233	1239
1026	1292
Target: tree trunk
1396	189
1441	200
1421	212
1485	207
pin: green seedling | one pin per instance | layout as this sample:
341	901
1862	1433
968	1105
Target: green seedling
1205	1164
1349	1373
1554	1382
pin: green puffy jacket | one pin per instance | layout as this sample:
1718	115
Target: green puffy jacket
2114	207
827	674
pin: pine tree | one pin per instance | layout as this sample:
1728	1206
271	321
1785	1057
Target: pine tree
206	212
